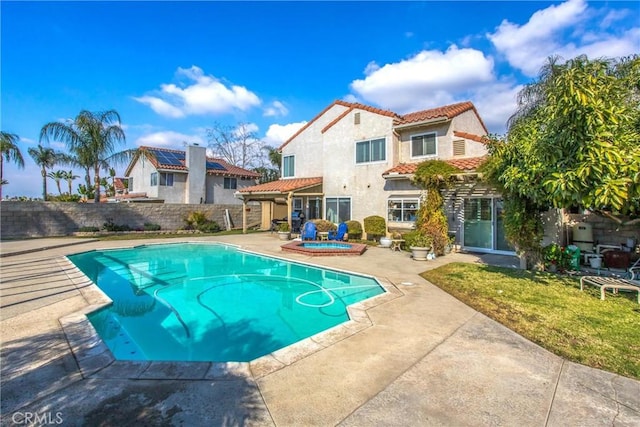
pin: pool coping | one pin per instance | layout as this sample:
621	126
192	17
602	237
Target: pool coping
95	360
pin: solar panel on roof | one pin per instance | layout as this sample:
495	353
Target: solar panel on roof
214	165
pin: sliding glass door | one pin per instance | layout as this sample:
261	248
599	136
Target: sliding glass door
483	225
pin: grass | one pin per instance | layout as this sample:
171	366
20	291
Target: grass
551	311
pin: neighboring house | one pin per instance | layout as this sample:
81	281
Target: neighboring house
186	176
352	161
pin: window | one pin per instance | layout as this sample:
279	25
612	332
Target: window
231	183
288	166
166	179
423	145
130	184
402	210
338	209
371	151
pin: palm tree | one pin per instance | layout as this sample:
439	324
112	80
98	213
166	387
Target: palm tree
46	158
9	150
57	176
92	137
69	177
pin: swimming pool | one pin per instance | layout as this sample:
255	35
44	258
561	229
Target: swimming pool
211	302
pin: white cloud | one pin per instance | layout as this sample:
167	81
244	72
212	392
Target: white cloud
199	94
561	30
277	134
425	80
168	139
496	102
276	109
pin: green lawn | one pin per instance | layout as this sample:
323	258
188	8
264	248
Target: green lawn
551	311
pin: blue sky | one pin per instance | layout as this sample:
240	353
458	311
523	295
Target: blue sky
174	69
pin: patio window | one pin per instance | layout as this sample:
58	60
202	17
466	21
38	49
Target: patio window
371	151
231	183
424	145
288	166
402	210
338	209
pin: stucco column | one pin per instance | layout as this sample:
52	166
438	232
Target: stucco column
244	216
289	210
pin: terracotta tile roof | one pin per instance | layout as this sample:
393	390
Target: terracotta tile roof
465	165
471	136
350	107
283	185
447	111
180	157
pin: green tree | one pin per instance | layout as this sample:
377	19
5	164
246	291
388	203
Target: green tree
10	152
70	177
574	140
57	176
92	136
46	158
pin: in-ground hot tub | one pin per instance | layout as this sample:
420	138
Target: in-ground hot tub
327	248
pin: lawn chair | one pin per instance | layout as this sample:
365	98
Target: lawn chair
339	233
631	283
308	231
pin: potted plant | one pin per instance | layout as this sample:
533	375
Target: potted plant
554	257
420	245
284	231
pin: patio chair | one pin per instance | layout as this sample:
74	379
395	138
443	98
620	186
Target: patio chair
339	233
308	231
611	283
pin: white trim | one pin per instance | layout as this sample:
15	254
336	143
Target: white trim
324	205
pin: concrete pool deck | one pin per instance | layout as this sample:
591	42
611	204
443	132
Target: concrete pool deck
425	359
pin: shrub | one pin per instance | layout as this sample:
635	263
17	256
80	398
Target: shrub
322	225
111	226
194	220
283	226
209	227
148	226
354	230
375	226
88	229
64	198
417	239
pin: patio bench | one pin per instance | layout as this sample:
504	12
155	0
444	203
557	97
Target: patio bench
610	283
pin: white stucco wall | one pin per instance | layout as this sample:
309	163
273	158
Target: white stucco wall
308	146
141	174
342	177
217	194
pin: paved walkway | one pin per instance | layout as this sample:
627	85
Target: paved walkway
424	358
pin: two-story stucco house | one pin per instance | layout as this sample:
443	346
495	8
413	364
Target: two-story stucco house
186	176
352	161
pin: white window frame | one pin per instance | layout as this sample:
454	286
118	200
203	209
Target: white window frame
413	155
369	141
154	179
337	198
401	204
289	173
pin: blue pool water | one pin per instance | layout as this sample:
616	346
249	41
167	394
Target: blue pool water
320	245
209	302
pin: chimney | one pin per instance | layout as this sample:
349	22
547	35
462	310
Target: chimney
196	162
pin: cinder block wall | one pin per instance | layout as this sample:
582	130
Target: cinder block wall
605	230
48	219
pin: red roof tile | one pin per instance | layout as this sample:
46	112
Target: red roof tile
466	165
471	136
282	185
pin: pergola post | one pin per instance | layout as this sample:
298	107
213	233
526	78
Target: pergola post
289	209
244	216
